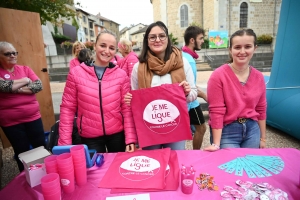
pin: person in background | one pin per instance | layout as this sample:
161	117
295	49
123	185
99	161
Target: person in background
20	117
194	38
161	63
96	93
116	59
77	46
129	57
236	96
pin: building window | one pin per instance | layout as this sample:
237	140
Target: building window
86	31
91	33
244	15
184	16
110	24
101	23
84	19
91	24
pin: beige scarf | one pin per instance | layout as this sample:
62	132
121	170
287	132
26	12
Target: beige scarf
174	66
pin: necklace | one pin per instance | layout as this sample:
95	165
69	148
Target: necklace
230	64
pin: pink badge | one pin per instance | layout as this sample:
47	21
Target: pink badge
7	76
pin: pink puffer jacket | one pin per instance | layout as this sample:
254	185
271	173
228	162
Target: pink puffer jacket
128	62
100	105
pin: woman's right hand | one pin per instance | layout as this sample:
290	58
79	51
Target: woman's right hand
211	148
127	98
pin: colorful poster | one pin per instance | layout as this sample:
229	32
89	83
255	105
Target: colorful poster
218	39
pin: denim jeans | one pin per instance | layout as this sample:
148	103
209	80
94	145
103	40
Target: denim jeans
174	146
236	135
21	136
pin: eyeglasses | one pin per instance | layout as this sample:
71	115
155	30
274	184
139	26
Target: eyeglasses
161	37
8	54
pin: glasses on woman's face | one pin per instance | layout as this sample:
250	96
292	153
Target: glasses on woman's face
8	54
152	37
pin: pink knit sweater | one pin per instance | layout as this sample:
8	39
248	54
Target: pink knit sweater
228	99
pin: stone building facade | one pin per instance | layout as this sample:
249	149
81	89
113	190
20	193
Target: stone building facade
227	15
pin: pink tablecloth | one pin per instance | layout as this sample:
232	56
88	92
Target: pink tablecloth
287	180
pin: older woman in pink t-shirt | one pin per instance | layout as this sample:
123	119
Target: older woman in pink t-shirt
20	117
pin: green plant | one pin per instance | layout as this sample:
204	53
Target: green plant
205	45
49	10
173	39
55	30
59	38
195	24
75	24
264	39
66	44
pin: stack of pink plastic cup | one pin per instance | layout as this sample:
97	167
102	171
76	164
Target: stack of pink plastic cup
51	187
51	165
66	172
79	161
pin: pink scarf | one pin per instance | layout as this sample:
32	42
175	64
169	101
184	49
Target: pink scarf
189	51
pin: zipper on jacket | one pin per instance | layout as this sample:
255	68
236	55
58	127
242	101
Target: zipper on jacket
101	109
80	130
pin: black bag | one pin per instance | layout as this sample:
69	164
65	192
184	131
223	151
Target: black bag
54	135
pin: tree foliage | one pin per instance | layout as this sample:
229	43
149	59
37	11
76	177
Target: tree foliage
173	39
49	10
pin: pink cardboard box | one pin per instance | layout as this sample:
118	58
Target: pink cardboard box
34	156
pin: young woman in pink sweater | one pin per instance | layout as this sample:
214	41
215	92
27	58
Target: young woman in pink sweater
236	95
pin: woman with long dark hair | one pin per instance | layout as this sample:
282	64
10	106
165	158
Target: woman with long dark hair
161	63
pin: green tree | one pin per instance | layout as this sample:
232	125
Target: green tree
49	10
173	39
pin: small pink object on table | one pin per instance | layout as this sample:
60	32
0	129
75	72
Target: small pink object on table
51	187
79	161
50	164
66	172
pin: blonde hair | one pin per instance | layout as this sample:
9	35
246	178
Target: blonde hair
125	45
75	45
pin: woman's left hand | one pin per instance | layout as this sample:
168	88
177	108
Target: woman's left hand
130	148
186	87
262	144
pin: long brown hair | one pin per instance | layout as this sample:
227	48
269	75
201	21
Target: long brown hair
241	32
143	56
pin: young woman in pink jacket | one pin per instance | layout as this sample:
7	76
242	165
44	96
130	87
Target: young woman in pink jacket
129	57
96	93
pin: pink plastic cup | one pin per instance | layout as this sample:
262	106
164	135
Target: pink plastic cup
67	182
50	164
80	163
81	176
53	196
187	183
51	185
78	149
66	170
65	158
